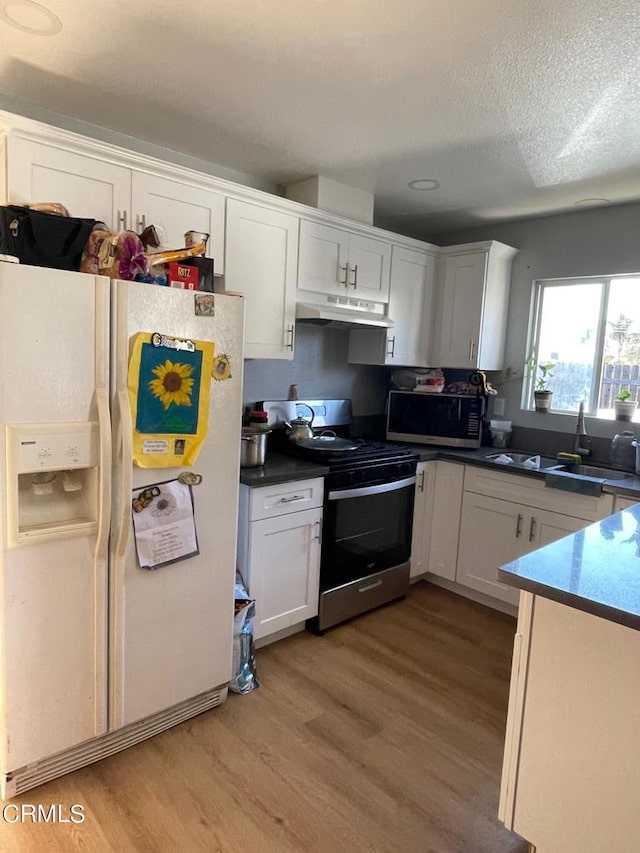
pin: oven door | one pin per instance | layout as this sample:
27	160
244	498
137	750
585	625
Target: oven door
366	530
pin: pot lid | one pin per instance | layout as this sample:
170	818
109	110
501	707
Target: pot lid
328	442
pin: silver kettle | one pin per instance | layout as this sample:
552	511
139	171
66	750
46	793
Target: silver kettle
300	428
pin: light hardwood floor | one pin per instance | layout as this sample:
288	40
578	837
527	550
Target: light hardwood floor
383	736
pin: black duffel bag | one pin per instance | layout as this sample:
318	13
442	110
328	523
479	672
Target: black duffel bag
43	239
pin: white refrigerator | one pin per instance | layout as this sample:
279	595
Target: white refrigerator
96	652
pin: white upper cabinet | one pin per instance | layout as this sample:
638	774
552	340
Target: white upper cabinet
472	299
261	254
410	307
338	262
121	197
177	207
87	186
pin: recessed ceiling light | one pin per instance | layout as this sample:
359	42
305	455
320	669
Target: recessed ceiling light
30	17
592	201
424	184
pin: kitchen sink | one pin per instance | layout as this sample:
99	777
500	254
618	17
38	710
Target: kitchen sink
548	463
519	460
594	471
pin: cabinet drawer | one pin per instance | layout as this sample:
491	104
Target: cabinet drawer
532	493
270	501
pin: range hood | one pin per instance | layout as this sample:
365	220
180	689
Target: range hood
343	311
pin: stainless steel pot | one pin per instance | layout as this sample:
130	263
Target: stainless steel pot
253	447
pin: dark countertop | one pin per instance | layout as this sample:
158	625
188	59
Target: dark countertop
281	469
629	488
596	570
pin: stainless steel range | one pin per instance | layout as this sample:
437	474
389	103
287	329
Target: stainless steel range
368	513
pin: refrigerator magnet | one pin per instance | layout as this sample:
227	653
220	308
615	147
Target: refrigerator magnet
205	305
221	368
190	478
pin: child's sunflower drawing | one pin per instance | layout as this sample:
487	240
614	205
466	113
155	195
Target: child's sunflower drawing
172	385
169	387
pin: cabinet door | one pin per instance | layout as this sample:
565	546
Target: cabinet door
620	503
177	208
322	261
261	252
410	305
546	527
461	294
422	510
87	186
445	519
284	560
492	533
369	268
410	299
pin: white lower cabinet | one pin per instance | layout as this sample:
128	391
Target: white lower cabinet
570	774
422	509
620	503
436	519
495	530
279	552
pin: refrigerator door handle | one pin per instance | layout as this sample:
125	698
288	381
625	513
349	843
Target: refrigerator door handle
104	512
126	461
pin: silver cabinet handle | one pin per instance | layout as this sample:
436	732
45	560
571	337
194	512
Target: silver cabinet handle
122	220
355	276
344	267
519	525
292	498
141	223
392	342
472	346
421	483
532	529
289	344
318	524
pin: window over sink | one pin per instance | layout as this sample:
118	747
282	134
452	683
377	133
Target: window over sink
589	330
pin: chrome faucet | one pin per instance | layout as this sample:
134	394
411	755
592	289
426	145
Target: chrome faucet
581	444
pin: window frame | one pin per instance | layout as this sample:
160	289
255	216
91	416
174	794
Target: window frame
539	286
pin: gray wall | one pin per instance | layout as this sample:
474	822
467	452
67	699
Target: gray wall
588	242
320	370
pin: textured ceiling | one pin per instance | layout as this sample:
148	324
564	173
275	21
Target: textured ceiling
516	107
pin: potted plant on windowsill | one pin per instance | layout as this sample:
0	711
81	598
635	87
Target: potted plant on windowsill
541	374
623	406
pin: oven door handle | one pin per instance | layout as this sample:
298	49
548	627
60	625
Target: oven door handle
338	495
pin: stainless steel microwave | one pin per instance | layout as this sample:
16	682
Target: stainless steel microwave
452	420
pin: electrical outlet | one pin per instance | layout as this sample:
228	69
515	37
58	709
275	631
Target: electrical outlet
498	407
